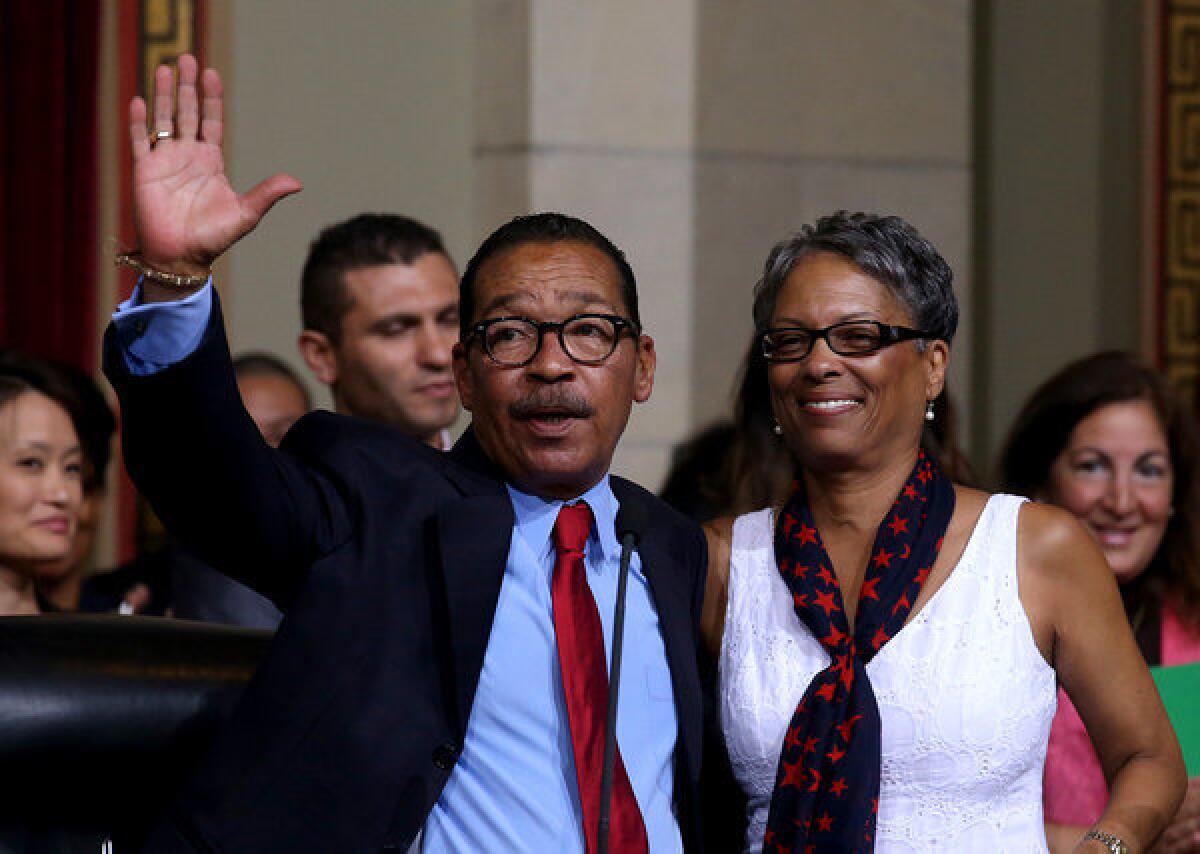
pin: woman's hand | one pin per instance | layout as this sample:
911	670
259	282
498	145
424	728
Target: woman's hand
185	211
1183	833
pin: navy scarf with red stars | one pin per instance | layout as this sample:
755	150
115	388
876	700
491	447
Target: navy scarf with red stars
827	786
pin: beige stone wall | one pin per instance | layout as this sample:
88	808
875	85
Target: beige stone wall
808	108
696	134
1062	137
592	114
370	105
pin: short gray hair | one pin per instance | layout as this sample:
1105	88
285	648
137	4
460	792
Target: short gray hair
887	249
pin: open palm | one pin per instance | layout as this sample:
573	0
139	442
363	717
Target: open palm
185	211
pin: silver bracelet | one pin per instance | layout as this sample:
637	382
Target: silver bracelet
1115	843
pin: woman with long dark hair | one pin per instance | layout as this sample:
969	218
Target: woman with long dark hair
1107	439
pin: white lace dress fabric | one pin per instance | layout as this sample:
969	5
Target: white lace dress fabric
965	697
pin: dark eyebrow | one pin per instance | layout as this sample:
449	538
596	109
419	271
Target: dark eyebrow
388	320
45	447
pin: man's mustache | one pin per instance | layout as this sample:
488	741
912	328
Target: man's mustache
557	401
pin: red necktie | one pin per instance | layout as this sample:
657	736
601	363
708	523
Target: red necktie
581	659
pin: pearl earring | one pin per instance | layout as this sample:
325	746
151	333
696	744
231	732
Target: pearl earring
929	411
777	430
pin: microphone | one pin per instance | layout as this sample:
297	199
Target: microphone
631	521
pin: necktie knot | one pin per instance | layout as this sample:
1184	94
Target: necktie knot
572	527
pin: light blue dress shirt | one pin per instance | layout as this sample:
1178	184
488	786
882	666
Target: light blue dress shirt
514	787
154	336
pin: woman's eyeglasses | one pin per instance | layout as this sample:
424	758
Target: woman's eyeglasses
850	338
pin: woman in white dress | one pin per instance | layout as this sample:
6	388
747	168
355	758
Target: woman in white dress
888	642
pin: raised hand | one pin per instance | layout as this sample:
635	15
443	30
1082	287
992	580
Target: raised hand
185	211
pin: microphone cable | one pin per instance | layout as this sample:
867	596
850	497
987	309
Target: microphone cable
631	521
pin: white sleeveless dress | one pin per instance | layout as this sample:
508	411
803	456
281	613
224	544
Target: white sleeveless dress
965	697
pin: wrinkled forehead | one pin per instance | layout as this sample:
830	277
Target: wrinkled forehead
549	278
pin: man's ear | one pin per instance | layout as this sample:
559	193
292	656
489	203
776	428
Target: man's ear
937	360
643	382
319	354
461	364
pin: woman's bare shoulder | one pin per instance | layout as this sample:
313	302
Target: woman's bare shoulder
1045	532
968	507
720	527
1059	563
719	533
970	500
1052	539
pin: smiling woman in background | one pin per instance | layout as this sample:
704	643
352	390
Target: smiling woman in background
41	487
1107	440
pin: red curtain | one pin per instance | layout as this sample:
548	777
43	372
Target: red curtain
49	64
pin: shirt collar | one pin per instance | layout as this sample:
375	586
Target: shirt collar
536	516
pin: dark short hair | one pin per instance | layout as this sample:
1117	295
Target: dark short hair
543	228
1044	426
77	393
12	386
259	364
887	249
367	240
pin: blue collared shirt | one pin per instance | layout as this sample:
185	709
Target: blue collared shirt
156	335
514	787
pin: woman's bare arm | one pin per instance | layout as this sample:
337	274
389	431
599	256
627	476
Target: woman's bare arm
719	534
1068	586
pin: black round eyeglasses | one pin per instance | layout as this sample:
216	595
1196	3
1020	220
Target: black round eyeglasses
588	339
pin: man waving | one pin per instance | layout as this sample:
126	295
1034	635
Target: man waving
440	675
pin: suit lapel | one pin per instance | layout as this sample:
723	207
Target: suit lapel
473	535
672	600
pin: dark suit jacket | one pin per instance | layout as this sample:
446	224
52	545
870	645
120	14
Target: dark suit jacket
387	558
179	581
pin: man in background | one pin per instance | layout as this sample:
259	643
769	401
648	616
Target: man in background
169	579
379	298
272	393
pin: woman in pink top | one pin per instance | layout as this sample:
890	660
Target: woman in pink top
1108	440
